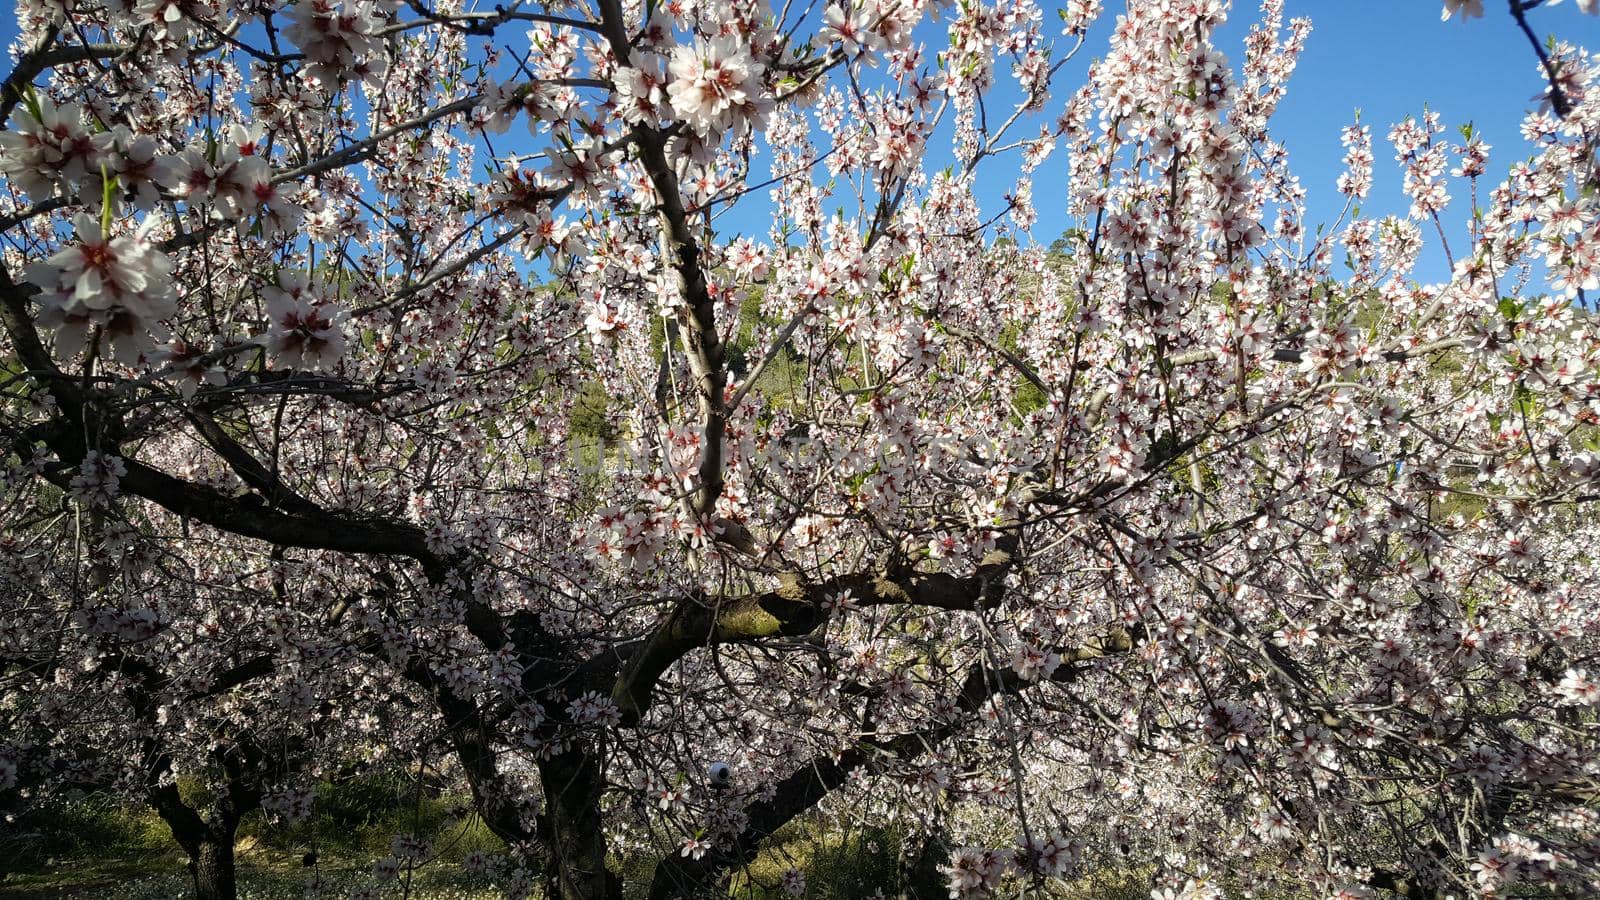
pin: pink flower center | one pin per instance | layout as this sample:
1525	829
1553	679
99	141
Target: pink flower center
97	256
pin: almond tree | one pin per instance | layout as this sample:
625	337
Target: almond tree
1210	541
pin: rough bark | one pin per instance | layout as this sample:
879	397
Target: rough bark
207	842
574	831
923	880
796	608
213	868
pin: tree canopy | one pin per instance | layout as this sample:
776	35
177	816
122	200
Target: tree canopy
383	385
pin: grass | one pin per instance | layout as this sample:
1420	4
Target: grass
99	847
96	848
264	874
126	857
850	864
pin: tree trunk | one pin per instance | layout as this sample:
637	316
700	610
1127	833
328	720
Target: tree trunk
212	865
574	832
208	842
923	880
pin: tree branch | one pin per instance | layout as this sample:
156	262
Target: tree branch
796	608
1558	97
677	876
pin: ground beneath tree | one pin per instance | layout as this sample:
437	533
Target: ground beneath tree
264	874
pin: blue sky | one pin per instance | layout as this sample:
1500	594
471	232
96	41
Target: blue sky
1388	58
1385	57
